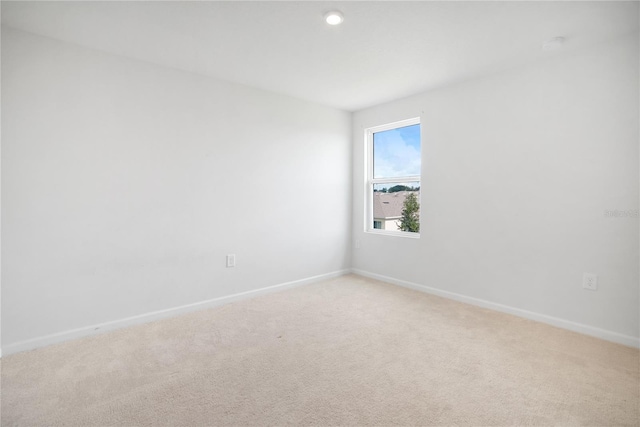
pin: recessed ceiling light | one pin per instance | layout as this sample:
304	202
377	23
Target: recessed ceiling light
334	17
553	44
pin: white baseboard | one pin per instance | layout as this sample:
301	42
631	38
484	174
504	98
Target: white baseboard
86	331
543	318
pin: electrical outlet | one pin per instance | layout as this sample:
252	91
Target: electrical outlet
357	244
231	260
590	281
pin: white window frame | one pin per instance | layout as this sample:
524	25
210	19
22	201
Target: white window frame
370	181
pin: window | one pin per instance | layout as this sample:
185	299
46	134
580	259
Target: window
393	178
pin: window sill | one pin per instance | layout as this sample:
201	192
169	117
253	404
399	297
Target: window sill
404	234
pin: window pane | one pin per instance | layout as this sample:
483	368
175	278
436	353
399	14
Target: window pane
396	152
389	201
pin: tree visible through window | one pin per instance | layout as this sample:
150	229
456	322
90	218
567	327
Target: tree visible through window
410	220
393	177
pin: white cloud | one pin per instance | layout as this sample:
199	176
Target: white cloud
394	156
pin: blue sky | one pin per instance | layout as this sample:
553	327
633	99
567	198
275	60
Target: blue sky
396	152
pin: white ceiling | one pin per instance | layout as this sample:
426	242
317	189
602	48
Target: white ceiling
382	51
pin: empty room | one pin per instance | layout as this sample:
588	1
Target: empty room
365	213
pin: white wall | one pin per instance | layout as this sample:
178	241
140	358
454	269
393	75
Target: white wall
125	184
0	209
518	170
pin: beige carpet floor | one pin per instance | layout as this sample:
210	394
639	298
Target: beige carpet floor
349	351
